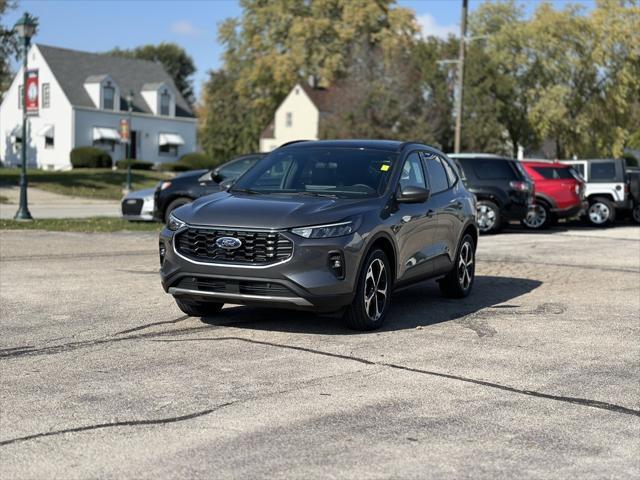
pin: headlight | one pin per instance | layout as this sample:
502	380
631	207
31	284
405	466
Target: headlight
165	185
325	231
174	223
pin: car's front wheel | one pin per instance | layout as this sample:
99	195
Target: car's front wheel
176	203
538	218
488	216
198	309
459	281
373	294
602	212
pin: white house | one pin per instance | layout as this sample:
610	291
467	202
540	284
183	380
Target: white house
82	100
298	117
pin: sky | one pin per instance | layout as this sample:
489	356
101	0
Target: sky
100	25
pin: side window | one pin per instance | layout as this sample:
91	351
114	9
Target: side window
603	171
494	170
451	173
235	169
437	174
412	174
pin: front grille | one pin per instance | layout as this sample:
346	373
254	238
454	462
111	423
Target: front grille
246	287
257	248
132	206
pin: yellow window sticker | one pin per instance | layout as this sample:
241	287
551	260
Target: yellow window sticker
384	167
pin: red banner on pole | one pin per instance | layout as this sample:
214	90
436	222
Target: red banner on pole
124	130
31	92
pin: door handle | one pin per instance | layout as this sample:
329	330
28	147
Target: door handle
430	213
456	203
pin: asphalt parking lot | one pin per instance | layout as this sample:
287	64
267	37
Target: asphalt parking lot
535	375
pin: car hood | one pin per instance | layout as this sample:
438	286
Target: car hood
147	192
238	210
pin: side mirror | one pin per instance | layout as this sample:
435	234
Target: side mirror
226	184
412	194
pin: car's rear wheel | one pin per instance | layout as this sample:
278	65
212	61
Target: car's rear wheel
636	213
178	202
373	294
488	216
601	212
459	281
539	217
198	309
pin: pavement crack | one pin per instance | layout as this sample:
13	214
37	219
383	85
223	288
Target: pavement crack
572	400
153	324
128	423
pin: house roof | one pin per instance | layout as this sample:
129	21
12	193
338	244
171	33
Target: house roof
322	98
73	68
269	131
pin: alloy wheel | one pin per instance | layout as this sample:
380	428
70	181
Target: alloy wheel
536	218
465	266
599	213
486	218
375	289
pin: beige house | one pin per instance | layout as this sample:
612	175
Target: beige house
298	117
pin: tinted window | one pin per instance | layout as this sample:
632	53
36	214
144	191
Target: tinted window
412	174
493	170
343	172
437	175
451	174
603	171
554	173
235	169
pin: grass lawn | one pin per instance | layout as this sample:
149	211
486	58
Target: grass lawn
86	182
87	225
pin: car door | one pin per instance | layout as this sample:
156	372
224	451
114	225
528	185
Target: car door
448	210
414	225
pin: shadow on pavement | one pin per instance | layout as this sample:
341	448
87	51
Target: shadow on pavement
420	305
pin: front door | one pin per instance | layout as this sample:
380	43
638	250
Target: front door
415	225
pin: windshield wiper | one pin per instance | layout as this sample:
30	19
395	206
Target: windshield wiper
317	194
247	190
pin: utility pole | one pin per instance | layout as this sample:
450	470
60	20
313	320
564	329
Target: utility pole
460	79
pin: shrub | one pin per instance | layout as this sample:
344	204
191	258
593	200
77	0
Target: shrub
89	157
135	164
173	167
197	160
631	159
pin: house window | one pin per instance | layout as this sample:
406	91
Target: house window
168	150
107	145
20	97
45	95
108	97
289	119
48	142
165	102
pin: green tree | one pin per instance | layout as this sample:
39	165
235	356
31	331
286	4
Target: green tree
8	46
178	64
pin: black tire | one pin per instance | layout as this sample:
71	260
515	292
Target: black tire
489	216
198	309
601	212
459	281
539	218
635	213
370	314
178	202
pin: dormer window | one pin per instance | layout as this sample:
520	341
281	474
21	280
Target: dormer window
108	97
165	103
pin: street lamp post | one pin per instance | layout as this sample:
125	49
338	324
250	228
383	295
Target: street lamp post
460	78
26	28
129	109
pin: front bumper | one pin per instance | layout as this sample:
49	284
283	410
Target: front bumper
303	281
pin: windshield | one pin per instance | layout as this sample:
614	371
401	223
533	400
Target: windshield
339	172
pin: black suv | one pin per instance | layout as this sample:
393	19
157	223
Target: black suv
501	185
188	186
325	226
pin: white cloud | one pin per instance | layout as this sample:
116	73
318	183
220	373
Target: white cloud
430	27
185	27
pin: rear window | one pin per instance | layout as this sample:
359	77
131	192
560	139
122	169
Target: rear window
493	170
554	173
603	171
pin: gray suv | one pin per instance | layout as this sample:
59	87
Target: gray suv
325	226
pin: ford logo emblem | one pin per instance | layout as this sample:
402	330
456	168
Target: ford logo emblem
228	243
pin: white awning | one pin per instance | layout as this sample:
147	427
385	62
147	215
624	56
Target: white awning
109	134
171	139
46	131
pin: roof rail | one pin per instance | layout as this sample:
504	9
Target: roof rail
403	145
286	144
